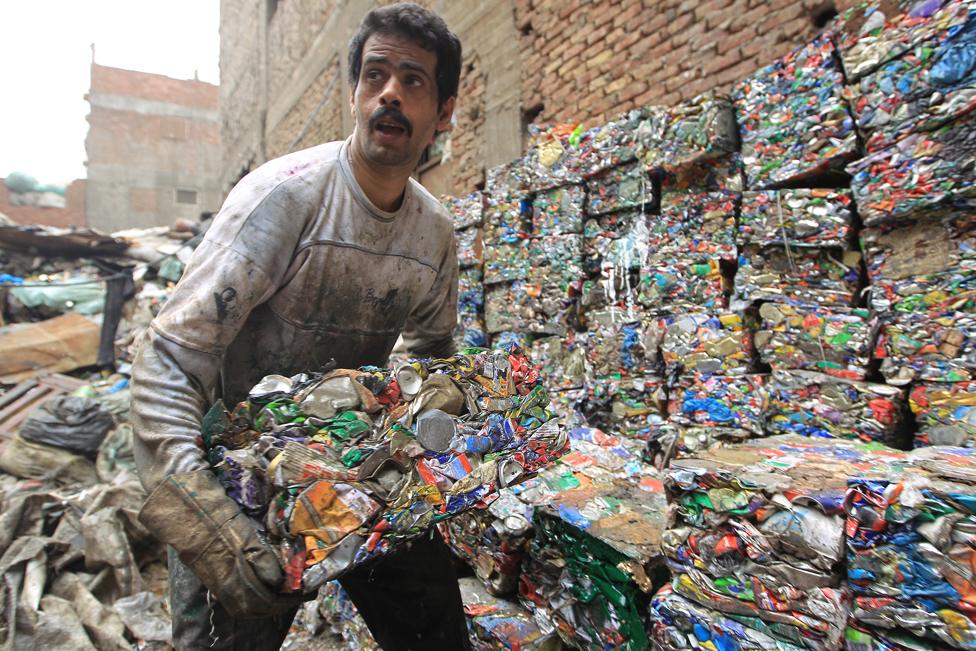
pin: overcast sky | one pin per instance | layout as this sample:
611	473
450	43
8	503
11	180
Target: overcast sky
44	68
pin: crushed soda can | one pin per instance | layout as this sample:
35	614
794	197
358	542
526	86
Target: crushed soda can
726	174
342	467
910	547
737	401
706	343
466	211
793	120
541	308
870	34
806	276
615	243
696	223
630	406
699	130
608	145
818	405
921	263
916	174
618	188
617	345
562	360
552	158
555	259
945	413
492	544
758	532
938	346
833	340
558	211
496	624
924	88
506	261
669	441
682	284
469	247
820	218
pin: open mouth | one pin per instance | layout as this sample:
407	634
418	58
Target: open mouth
389	128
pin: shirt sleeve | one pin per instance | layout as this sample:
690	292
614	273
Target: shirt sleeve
238	266
429	331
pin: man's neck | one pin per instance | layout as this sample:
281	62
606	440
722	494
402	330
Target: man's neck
383	187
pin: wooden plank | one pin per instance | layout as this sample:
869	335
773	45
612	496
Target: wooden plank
63	343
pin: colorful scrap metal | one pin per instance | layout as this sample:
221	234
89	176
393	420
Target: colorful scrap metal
797	218
706	343
936	345
805	276
737	401
945	413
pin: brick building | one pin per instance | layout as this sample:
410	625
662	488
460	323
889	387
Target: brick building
284	78
153	149
72	214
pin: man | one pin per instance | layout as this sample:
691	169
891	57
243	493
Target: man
327	253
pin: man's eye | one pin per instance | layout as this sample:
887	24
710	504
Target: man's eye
414	80
373	75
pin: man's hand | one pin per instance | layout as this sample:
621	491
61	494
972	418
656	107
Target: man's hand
218	542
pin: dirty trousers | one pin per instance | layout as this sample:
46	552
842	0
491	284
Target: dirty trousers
410	600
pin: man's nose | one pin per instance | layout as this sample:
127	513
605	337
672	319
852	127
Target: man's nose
392	92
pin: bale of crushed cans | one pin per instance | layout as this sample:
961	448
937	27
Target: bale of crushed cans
821	218
469	247
945	413
937	345
686	283
822	406
873	33
496	624
492	541
528	307
608	145
695	132
833	340
923	262
618	188
911	548
697	223
705	343
341	467
615	243
920	172
805	276
467	211
756	545
631	406
793	120
558	211
929	85
471	330
735	401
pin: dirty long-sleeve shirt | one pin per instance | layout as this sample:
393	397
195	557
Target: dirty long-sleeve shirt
298	268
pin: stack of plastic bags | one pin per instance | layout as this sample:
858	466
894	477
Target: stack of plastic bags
339	468
756	546
793	120
818	405
833	340
911	548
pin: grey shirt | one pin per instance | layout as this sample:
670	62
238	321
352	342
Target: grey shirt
298	268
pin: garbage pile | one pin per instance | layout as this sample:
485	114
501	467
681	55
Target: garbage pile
80	571
341	467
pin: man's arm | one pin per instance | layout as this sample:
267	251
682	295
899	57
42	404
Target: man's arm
429	331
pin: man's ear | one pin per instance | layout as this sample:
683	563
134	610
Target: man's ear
444	116
352	103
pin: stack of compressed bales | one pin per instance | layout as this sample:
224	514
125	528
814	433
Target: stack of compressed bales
467	212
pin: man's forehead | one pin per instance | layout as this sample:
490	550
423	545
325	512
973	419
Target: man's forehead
398	50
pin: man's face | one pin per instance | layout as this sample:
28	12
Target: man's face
395	102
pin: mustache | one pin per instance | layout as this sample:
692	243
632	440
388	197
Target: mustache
393	115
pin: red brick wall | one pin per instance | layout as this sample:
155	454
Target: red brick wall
589	61
115	81
72	215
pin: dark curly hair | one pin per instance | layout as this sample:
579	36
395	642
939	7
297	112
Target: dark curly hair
421	26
